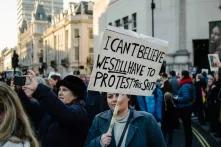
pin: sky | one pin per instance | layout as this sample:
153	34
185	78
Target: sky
8	17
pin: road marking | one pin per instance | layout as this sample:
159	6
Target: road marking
200	138
204	140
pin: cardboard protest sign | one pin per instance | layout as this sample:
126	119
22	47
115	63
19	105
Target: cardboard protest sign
192	69
127	62
205	70
213	61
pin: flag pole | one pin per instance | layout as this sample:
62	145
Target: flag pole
113	119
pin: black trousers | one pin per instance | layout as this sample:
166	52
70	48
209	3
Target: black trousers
185	115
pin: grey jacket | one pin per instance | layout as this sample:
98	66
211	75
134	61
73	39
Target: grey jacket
143	130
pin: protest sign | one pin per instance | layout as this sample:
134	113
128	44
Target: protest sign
192	69
213	61
127	62
204	70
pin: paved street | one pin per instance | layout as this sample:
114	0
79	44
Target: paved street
201	137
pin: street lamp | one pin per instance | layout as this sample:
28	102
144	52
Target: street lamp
15	61
32	54
78	47
153	6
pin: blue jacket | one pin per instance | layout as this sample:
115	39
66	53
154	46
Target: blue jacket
158	95
152	104
185	95
143	131
175	85
141	102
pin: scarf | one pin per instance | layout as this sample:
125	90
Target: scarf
185	81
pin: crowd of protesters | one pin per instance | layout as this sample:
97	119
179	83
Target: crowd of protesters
181	97
63	113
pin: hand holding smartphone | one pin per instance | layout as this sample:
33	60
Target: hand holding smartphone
21	80
175	97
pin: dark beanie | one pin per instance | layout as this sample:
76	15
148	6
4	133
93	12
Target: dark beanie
76	85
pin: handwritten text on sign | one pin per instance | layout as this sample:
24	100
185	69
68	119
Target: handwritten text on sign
127	64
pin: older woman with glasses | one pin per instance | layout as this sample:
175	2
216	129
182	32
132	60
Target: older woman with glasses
212	103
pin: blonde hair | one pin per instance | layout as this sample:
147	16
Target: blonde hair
15	125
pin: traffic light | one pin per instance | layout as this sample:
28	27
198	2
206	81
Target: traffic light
15	60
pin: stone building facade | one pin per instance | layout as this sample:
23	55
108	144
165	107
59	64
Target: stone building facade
183	23
68	42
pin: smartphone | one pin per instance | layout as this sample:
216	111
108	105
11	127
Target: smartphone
19	80
175	97
25	71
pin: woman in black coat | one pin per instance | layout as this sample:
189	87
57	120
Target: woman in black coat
64	121
212	103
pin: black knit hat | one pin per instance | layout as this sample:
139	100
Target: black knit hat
76	85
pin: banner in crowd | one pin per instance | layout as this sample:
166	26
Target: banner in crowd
127	62
192	69
213	61
215	37
204	71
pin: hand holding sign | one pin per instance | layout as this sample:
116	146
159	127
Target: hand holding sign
106	139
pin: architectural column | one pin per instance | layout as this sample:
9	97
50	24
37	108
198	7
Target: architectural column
180	58
70	47
35	51
182	24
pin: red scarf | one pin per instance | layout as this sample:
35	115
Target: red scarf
186	80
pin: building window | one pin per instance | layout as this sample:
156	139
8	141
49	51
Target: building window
126	22
55	42
66	39
46	50
76	33
134	22
117	23
76	53
40	16
46	43
91	34
91	50
58	49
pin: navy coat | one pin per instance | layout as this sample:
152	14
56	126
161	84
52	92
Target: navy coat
60	125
